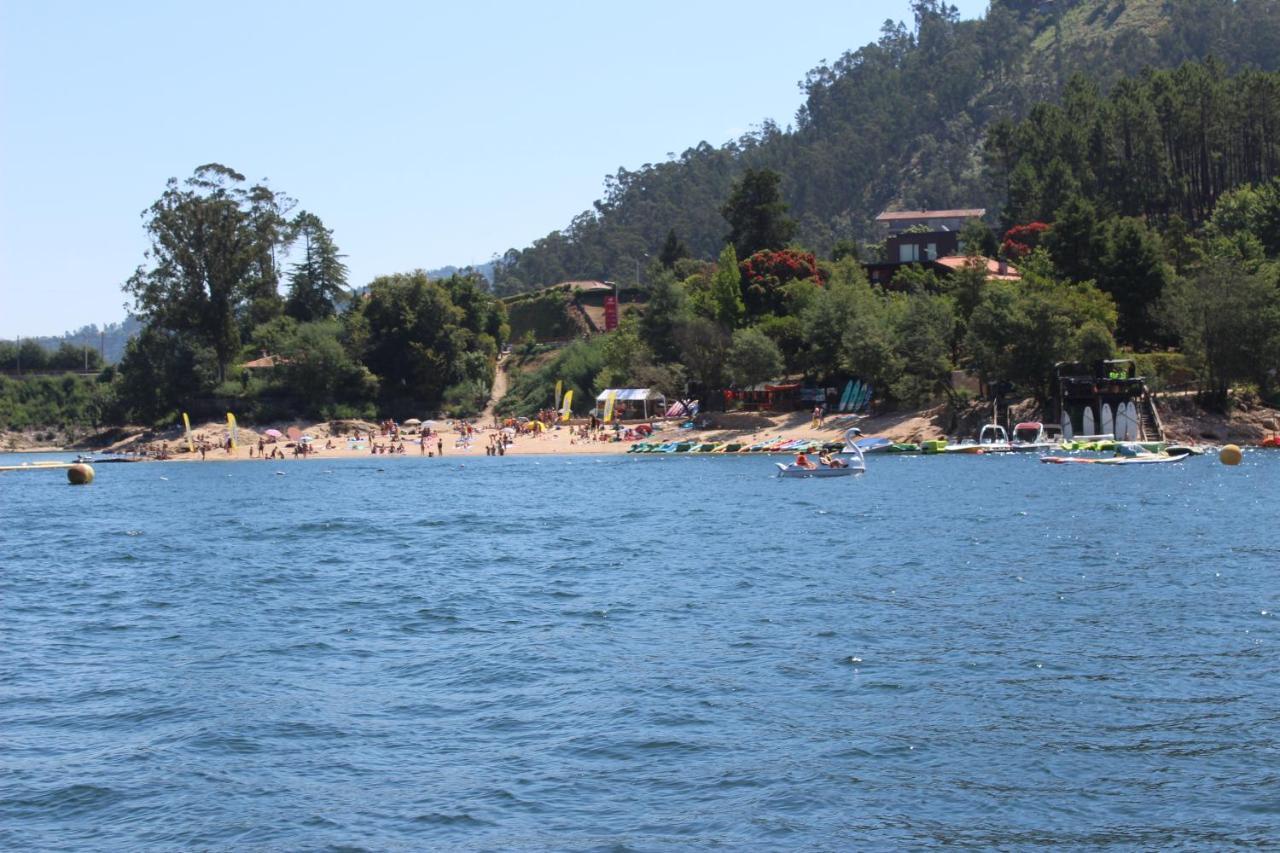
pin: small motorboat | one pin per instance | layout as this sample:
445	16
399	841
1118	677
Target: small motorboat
1031	436
992	439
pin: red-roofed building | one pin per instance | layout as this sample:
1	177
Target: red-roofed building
996	270
882	273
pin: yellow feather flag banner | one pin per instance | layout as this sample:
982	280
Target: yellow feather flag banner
231	427
608	405
559	388
565	411
186	422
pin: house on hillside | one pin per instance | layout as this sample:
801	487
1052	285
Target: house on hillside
897	221
931	239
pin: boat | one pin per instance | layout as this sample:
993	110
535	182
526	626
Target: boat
855	465
1127	453
856	444
874	444
1031	436
793	470
992	439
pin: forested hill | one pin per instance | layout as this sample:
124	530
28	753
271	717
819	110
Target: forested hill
898	122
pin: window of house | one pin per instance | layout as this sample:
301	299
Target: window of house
931	251
908	252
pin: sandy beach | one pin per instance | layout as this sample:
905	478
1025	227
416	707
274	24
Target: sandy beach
332	440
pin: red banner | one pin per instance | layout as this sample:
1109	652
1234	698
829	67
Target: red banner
610	313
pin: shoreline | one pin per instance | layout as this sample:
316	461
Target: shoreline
1245	428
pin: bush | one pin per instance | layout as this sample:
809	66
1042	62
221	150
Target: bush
1164	370
544	316
577	365
44	401
465	399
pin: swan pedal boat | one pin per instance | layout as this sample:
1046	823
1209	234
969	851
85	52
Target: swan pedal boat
794	470
854	462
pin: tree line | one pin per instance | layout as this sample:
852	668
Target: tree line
210	298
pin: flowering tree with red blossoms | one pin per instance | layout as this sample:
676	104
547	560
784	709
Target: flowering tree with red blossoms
767	274
1020	240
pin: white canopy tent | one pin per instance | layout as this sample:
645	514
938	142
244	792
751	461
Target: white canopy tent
643	396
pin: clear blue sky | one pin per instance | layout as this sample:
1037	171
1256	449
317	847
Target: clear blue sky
423	133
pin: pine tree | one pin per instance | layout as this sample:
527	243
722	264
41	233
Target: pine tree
672	250
757	215
319	281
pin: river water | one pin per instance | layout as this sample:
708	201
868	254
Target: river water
637	654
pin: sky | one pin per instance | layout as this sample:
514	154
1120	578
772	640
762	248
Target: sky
423	133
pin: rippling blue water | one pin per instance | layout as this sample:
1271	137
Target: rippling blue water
639	653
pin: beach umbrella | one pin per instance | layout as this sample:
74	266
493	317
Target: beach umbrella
428	423
413	422
307	438
274	433
509	430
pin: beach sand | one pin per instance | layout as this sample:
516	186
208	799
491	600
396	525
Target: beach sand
555	441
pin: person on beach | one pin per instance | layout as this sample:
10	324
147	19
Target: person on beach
440	446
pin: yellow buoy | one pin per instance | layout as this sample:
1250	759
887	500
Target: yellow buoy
1230	455
80	475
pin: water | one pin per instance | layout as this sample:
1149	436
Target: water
638	654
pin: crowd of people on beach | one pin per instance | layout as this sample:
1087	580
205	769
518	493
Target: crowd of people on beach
595	429
388	437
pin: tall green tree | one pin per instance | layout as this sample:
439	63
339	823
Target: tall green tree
753	358
206	262
268	213
666	310
704	351
673	249
318	281
757	215
726	289
1077	240
1229	325
418	341
1134	271
162	372
925	327
625	352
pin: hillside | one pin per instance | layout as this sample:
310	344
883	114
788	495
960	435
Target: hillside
109	340
898	122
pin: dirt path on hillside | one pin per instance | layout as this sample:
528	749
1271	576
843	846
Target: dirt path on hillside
500	383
